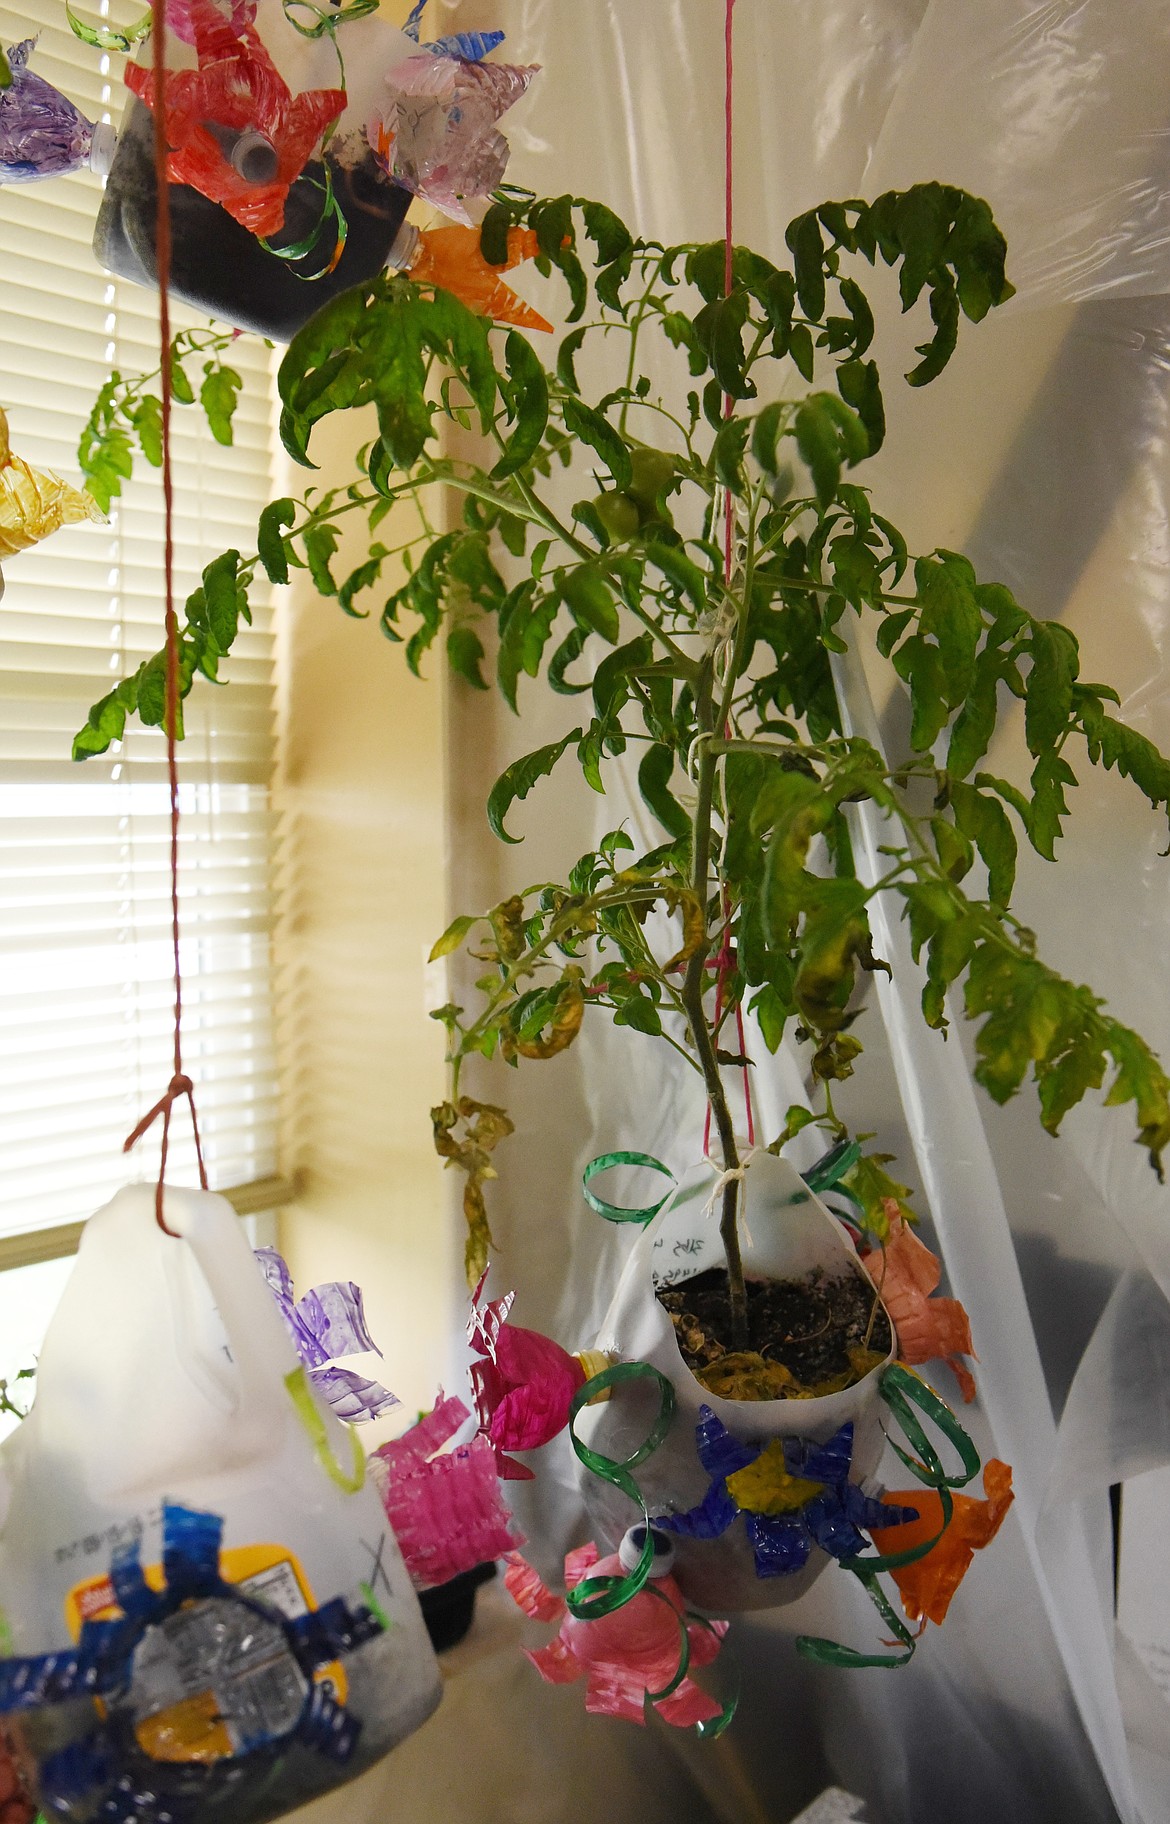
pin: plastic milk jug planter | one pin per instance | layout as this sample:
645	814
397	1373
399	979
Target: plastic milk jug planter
787	1233
189	1534
217	263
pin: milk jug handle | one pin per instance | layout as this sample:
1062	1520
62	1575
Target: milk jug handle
259	1344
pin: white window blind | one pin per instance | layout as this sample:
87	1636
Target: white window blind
85	963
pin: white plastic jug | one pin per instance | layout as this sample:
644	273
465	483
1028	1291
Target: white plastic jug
787	1232
170	1400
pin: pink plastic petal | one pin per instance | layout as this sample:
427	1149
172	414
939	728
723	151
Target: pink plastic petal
524	1586
429	1435
615	1691
555	1662
689	1705
578	1564
447	1513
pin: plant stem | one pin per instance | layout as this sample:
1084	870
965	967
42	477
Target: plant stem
692	1000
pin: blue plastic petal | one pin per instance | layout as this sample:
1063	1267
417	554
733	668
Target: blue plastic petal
135	1597
411	25
867	1512
471	47
326	1633
780	1543
821	1462
831	1527
327	1726
713	1515
191	1543
719	1453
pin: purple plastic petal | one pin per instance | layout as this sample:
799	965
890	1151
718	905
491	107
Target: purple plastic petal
780	1543
275	1270
720	1454
437	132
42	134
713	1515
334	1316
353	1398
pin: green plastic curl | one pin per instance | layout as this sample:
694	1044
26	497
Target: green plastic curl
598	1596
616	1212
902	1391
306	1409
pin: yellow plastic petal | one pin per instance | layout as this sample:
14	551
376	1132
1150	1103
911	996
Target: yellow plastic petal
766	1487
33	502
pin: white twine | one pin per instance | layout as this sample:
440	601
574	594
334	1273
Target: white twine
736	1174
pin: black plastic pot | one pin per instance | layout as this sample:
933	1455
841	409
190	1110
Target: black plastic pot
449	1608
216	265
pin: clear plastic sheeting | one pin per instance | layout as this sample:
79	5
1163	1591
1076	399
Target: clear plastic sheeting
1042	453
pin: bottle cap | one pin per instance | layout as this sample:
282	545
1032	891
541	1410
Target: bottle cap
402	248
102	147
632	1546
255	157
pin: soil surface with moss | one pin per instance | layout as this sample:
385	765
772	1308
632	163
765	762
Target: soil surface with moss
809	1337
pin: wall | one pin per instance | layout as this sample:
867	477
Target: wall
360	873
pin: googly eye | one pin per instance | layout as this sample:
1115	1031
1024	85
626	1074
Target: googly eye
632	1546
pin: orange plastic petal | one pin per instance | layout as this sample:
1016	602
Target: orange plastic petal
928	1585
450	257
907	1274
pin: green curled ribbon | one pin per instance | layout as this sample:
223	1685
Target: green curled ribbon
832	1166
331	211
106	37
306	1409
902	1391
324	22
597	1596
5	69
616	1212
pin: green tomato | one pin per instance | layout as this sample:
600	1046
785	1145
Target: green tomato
653	471
618	514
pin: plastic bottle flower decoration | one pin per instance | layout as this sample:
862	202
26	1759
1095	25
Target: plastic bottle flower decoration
436	133
329	1321
793	1494
444	1505
523	1382
631	1655
42	134
450	257
927	1585
236	132
34	502
906	1274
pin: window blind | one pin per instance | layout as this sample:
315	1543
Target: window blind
85	964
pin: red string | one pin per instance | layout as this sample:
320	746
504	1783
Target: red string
180	1084
726	959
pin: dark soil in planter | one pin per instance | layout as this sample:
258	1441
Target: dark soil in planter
808	1336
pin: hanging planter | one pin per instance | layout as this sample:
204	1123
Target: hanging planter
791	1241
298	137
205	1605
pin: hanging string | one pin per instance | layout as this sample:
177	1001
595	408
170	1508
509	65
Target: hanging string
726	958
180	1084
